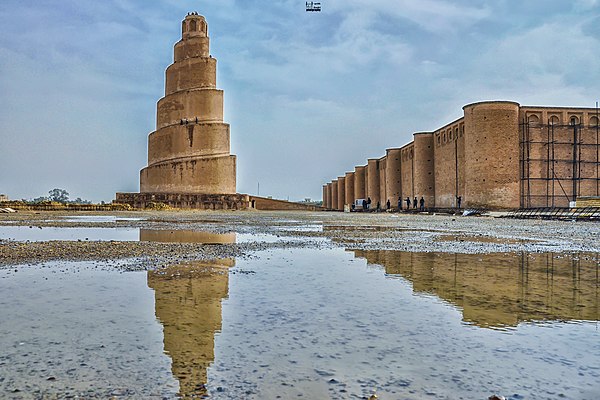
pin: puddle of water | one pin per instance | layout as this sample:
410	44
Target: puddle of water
501	291
98	218
310	323
182	236
187	236
35	233
302	228
70	329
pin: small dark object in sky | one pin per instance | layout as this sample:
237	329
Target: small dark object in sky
313	6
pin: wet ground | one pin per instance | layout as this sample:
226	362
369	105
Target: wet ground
298	305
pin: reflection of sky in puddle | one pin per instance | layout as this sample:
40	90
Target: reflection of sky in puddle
71	329
35	233
302	228
98	218
187	236
316	323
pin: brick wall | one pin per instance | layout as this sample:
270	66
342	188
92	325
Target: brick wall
492	178
393	175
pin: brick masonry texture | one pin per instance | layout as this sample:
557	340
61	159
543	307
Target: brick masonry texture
499	155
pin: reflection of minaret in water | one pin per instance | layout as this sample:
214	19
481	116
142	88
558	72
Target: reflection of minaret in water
188	305
499	290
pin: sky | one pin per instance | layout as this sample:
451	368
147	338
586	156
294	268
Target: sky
309	95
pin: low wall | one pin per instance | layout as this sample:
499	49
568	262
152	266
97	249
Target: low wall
266	204
19	205
185	200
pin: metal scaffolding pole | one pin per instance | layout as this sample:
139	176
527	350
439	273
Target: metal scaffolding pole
553	187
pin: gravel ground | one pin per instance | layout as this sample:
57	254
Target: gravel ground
383	231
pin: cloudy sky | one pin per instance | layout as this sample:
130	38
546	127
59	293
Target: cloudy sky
308	95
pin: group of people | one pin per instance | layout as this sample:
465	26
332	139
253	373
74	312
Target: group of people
421	203
366	204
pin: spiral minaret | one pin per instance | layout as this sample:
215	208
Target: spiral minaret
190	150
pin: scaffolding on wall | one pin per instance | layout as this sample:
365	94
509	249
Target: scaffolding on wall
551	163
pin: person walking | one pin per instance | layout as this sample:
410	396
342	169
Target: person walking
415	202
378	206
422	204
399	203
388	205
407	203
364	204
369	203
458	201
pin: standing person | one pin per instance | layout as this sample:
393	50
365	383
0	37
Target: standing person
368	203
422	204
388	204
399	203
458	201
407	203
378	205
415	202
364	204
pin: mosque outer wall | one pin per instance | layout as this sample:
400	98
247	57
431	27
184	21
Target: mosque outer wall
373	181
424	181
349	189
341	192
359	182
334	195
498	155
382	189
393	176
406	173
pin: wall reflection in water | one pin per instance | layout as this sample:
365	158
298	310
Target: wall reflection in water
188	305
182	236
502	290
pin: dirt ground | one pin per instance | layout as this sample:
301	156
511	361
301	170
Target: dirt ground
382	231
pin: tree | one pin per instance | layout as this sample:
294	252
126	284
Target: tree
58	195
79	200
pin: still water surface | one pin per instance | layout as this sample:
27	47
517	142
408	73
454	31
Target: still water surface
38	233
307	323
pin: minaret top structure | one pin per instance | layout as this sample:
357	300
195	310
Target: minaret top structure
194	38
194	25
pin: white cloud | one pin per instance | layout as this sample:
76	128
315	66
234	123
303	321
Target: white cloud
312	93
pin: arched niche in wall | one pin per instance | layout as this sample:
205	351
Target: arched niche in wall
554	120
193	25
533	120
594	121
573	120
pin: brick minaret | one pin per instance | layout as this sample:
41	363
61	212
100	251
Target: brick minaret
190	150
